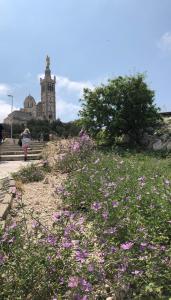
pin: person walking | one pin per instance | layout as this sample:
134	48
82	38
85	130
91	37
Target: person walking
26	139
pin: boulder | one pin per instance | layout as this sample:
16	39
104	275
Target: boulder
158	145
169	145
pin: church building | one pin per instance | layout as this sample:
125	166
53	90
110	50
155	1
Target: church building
43	110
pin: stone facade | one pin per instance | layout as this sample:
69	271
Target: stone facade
43	110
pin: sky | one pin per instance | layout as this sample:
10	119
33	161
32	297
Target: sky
88	41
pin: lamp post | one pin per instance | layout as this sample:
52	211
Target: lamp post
11	96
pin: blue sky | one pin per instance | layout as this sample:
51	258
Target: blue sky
88	42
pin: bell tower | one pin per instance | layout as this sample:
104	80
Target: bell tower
48	97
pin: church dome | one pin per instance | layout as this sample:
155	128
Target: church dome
29	102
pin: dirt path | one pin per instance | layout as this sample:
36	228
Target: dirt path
39	199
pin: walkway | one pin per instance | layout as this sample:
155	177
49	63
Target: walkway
8	167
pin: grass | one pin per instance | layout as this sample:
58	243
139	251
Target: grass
111	239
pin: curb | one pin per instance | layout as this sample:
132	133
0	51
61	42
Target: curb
8	191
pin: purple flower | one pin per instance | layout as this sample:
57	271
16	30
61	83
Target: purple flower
13	225
143	245
75	147
127	245
112	249
66	244
90	268
73	281
86	286
11	240
56	216
105	215
96	206
81	255
35	224
66	213
51	240
115	203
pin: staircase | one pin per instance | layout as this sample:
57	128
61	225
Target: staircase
13	152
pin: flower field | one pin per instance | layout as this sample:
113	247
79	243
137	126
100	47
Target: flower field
111	239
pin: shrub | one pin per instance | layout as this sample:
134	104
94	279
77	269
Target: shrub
30	173
78	150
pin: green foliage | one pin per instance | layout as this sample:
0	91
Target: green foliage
111	238
127	199
79	150
44	127
30	173
124	106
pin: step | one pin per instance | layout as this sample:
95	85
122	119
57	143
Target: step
10	146
18	152
19	149
19	157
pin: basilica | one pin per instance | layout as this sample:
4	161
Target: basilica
43	110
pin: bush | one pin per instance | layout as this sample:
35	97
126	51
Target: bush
127	202
78	150
30	173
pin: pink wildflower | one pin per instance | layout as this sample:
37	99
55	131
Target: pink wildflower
56	216
96	206
73	281
105	215
115	203
127	245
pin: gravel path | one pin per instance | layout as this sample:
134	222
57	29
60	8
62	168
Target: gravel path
40	199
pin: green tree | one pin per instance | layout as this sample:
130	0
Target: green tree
124	106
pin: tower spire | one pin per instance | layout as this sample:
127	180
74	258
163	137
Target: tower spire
47	71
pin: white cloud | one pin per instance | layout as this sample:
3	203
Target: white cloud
64	83
4	89
66	110
5	110
71	85
165	42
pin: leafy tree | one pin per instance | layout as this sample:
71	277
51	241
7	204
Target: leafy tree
44	127
124	106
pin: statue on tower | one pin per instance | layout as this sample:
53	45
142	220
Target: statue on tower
47	62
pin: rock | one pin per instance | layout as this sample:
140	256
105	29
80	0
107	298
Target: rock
169	146
158	145
164	137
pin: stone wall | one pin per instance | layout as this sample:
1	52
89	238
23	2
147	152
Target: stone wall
161	140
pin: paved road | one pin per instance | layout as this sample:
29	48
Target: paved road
8	167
